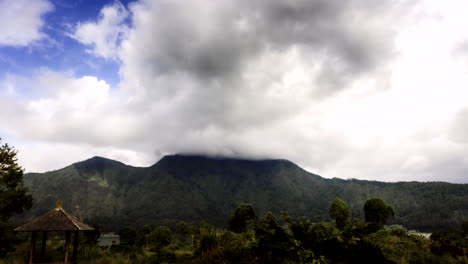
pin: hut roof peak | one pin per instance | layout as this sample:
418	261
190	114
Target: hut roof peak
55	220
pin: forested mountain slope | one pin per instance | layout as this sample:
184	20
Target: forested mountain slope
196	188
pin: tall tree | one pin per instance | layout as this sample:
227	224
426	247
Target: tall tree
339	211
378	211
160	237
242	218
127	236
14	197
273	242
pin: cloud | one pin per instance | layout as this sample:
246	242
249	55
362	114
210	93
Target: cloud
215	66
60	155
105	34
219	40
253	79
350	90
459	127
69	118
22	21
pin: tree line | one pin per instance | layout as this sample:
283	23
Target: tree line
248	239
284	239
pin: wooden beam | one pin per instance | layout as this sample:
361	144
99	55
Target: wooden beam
43	245
33	245
67	246
75	246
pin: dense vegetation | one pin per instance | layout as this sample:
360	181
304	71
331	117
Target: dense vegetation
194	189
250	239
273	239
14	197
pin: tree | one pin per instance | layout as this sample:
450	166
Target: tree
183	232
13	193
14	197
91	237
378	211
274	244
339	211
127	236
242	218
465	227
160	237
142	236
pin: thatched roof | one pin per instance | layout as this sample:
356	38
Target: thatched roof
55	220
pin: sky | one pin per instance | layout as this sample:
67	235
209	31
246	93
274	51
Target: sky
374	90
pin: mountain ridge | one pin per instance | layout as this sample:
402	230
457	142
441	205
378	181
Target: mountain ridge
197	188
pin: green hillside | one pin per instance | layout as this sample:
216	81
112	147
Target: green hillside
195	188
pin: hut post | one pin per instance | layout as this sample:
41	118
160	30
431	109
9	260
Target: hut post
33	245
43	244
75	245
67	246
55	220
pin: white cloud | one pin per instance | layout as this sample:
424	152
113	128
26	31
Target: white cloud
105	34
60	155
255	90
22	20
307	81
69	120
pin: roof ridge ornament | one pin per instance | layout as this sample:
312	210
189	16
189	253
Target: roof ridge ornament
59	205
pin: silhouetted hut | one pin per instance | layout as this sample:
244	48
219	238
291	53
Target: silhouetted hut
55	220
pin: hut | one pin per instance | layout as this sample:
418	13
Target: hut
55	220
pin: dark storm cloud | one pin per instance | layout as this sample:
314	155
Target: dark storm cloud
345	37
230	76
327	26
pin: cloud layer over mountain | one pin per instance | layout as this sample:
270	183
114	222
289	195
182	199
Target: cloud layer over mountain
354	89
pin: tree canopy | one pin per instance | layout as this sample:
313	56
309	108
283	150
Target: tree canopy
242	218
160	237
339	211
127	236
14	197
378	211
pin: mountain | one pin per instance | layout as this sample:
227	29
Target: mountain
196	188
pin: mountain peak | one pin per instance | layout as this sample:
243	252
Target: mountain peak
201	157
186	166
98	163
97	158
195	187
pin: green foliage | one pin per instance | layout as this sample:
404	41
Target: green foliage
207	239
163	256
243	217
207	242
194	189
159	238
14	197
225	247
299	241
127	236
398	246
7	238
301	229
274	244
183	233
91	238
378	211
13	193
465	227
453	242
142	236
339	211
